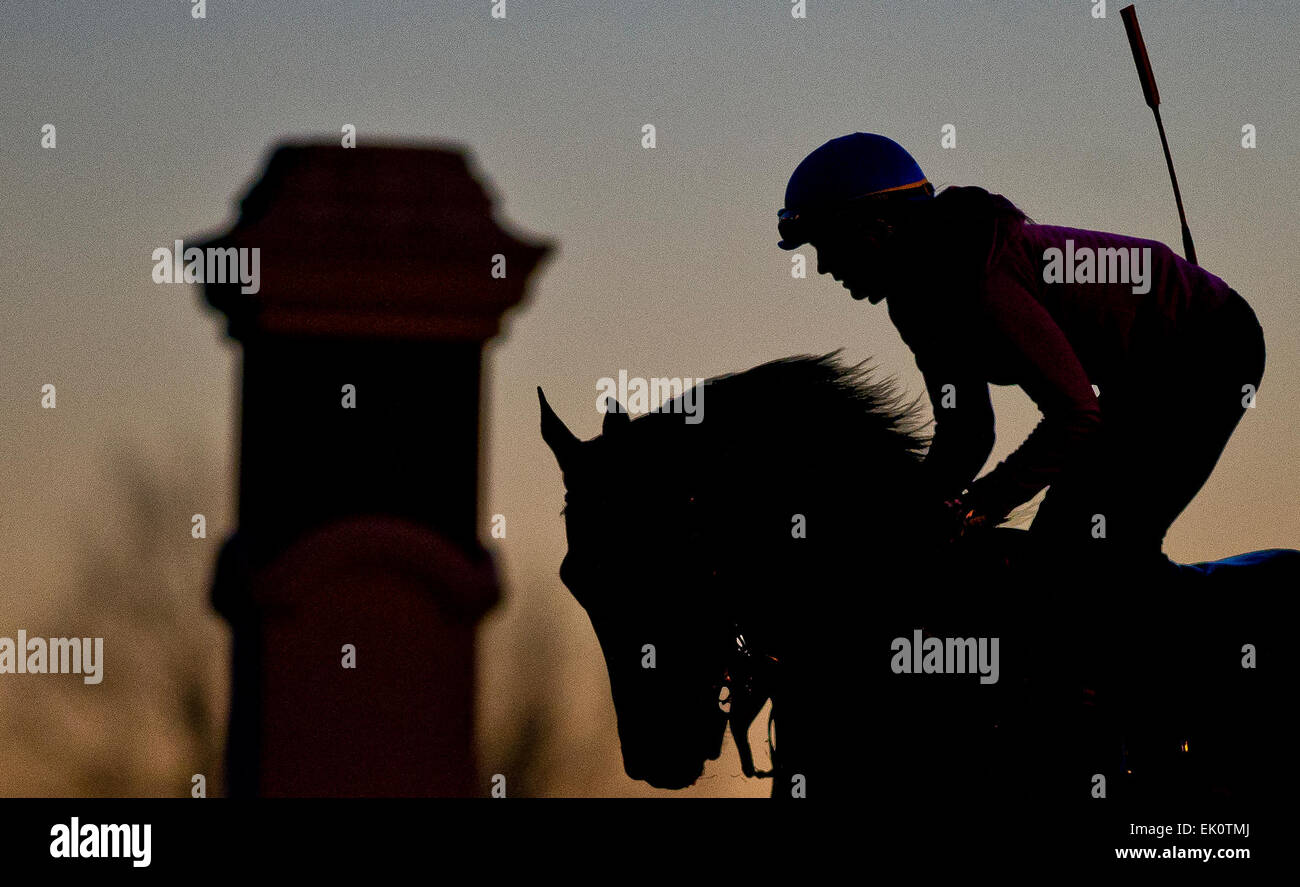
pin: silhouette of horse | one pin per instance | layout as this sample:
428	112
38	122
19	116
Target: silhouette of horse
779	550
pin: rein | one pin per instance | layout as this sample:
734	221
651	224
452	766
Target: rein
749	676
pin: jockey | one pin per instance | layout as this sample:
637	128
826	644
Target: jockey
1140	362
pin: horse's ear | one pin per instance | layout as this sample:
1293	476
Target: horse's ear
563	442
615	417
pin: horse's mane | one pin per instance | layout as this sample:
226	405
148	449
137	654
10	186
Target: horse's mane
824	403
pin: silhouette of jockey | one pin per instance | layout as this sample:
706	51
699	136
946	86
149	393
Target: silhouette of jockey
1175	353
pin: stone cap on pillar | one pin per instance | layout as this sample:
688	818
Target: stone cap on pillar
393	241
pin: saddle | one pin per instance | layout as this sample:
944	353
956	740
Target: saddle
1011	549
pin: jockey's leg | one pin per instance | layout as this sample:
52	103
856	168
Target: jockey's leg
1075	521
1163	431
1191	406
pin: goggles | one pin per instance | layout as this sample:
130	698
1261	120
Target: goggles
799	226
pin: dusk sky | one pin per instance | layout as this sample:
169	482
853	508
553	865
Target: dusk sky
666	261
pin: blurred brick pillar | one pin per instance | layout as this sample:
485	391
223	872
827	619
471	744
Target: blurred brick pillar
359	526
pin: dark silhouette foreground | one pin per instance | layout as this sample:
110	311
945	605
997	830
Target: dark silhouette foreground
1141	362
682	538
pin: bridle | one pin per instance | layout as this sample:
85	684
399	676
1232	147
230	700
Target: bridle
750	675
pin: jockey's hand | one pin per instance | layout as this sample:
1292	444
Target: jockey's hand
961	519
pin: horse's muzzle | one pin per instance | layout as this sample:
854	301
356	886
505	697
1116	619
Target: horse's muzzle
666	777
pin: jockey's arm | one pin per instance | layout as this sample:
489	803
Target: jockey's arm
1047	368
964	424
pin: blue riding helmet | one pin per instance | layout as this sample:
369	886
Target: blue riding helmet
841	174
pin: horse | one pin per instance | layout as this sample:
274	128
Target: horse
779	551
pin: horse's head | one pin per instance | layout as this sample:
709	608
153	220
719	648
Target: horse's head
643	580
719	549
